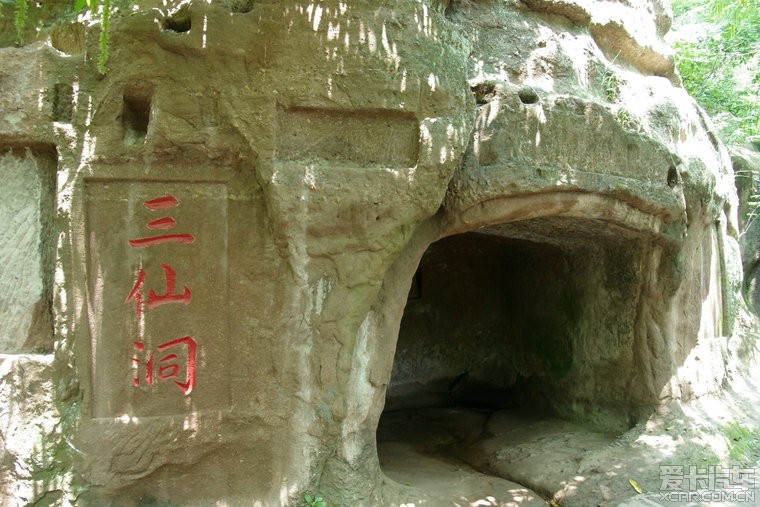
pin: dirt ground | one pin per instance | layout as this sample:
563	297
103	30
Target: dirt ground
477	457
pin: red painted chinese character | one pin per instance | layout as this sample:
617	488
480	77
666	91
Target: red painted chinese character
168	367
163	223
135	292
165	202
154	300
189	384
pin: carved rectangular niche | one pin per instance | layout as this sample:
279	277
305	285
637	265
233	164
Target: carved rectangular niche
366	138
27	248
157	278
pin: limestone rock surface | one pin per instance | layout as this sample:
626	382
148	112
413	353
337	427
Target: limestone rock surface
272	220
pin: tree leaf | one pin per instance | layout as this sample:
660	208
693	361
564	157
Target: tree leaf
636	486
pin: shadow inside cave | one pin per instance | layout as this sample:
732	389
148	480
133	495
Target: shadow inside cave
513	357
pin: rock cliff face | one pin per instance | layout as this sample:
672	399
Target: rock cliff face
242	203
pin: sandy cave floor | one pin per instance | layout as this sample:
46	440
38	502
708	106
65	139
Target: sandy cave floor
464	456
464	453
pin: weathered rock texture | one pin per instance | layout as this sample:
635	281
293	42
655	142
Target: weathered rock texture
26	212
746	163
315	151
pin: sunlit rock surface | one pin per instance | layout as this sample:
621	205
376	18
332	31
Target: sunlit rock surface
245	199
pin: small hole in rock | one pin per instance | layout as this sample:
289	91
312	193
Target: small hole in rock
179	22
63	102
449	11
68	38
135	119
672	177
527	95
483	92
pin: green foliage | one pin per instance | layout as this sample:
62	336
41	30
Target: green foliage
743	443
720	67
314	501
610	85
99	8
22	13
627	120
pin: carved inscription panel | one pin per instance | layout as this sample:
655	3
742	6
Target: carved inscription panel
157	291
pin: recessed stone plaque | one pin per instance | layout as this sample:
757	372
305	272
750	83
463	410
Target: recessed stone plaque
157	280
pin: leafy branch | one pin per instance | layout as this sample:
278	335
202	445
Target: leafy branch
102	9
719	68
314	501
22	12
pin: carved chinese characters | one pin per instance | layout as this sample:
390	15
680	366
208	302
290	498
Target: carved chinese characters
168	368
158	284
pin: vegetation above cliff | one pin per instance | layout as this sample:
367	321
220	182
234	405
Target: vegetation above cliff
100	10
717	45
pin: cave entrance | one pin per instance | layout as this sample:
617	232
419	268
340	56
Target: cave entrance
515	342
